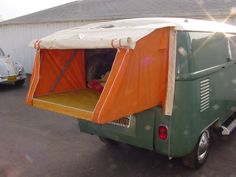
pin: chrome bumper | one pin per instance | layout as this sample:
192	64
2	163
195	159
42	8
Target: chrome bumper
19	77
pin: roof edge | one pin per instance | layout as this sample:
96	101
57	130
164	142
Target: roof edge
106	19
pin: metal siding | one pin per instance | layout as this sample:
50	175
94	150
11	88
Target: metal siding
15	39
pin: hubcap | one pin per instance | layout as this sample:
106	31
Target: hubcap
203	146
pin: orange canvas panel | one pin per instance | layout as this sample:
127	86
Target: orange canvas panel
74	76
138	79
48	67
52	63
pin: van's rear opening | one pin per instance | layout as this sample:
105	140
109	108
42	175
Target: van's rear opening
81	102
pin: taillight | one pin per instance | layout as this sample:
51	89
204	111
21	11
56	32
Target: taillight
163	132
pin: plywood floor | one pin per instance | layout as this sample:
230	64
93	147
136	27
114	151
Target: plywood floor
77	103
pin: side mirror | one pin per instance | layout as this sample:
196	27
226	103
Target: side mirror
8	55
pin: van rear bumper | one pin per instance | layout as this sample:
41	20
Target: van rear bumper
140	133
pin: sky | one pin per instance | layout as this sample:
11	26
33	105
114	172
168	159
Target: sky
14	8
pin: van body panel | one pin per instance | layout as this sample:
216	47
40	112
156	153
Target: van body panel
205	93
140	133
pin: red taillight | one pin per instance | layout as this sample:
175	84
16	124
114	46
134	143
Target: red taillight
163	132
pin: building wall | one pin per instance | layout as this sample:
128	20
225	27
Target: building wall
15	39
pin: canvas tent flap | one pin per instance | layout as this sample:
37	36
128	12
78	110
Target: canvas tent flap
98	36
139	80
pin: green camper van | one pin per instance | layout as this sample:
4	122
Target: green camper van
196	96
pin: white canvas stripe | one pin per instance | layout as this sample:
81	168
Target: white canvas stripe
171	73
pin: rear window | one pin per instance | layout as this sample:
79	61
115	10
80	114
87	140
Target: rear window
208	50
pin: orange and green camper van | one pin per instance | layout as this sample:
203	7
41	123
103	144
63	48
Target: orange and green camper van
162	84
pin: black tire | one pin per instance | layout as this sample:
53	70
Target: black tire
108	141
198	156
20	82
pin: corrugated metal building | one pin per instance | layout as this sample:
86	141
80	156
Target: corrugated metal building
16	34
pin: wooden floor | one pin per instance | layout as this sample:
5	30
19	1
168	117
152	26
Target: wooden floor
79	104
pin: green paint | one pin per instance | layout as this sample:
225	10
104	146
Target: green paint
200	56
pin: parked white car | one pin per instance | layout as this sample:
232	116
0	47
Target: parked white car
11	71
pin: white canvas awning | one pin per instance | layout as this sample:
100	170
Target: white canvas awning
122	33
98	36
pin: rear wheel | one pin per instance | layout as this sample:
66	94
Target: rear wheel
107	141
20	82
200	153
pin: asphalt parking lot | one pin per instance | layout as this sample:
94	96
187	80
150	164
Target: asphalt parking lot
36	143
